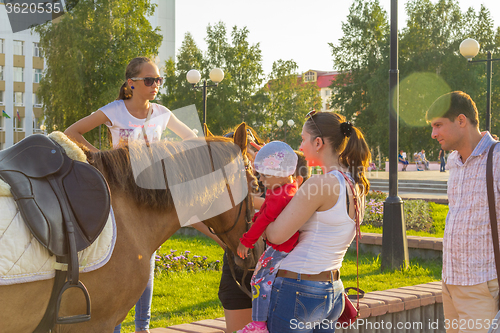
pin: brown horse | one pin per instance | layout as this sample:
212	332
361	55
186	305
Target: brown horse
145	219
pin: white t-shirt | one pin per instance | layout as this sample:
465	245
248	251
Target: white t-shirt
124	126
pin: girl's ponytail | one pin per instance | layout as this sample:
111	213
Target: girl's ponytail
125	92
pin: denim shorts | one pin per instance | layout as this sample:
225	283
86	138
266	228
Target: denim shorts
301	306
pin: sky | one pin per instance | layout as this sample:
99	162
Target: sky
286	29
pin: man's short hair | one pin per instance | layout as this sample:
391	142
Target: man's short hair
453	104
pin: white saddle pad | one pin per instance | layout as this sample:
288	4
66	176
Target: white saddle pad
23	259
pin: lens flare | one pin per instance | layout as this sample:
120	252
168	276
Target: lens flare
417	92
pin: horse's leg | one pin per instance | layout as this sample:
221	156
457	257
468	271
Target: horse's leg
116	287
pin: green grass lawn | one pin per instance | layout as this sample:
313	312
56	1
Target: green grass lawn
438	214
182	297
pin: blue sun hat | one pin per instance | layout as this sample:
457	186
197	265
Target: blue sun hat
276	159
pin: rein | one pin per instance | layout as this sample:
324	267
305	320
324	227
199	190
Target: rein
230	254
234	224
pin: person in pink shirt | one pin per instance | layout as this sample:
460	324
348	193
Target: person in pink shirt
276	163
469	276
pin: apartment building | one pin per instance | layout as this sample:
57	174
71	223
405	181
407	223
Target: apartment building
21	69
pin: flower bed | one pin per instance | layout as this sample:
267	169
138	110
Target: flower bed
422	218
171	262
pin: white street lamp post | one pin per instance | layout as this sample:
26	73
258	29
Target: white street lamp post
469	48
289	122
194	76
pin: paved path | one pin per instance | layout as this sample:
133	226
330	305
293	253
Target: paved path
412	175
415	176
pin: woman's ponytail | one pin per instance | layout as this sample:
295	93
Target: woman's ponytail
356	155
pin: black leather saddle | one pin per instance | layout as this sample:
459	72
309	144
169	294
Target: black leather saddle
65	204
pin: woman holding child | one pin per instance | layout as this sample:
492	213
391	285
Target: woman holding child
307	292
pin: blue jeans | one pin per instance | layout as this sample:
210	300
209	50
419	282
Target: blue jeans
301	306
442	166
143	305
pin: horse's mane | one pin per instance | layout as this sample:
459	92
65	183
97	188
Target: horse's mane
183	162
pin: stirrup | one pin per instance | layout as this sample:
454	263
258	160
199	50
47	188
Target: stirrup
76	318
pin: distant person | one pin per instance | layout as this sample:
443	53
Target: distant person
276	162
418	161
469	277
423	159
371	167
402	160
441	159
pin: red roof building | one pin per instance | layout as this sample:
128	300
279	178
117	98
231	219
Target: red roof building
323	79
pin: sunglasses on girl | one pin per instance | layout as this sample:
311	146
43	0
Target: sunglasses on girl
148	81
310	116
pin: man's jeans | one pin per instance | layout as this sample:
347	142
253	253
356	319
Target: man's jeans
143	305
300	306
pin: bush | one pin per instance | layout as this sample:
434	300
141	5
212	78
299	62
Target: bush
418	216
376	195
417	213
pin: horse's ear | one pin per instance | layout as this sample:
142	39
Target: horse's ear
207	131
240	137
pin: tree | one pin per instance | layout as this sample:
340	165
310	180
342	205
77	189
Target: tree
285	97
229	103
178	91
360	92
87	52
429	64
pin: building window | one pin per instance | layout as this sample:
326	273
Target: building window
2	124
309	76
36	125
328	92
18	47
18	99
18	74
2	41
38	75
1	73
18	124
37	101
1	100
36	49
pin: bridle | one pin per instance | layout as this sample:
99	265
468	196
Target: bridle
248	218
248	213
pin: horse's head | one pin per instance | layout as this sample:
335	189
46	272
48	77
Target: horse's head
231	225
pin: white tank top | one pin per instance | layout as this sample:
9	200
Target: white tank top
323	239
